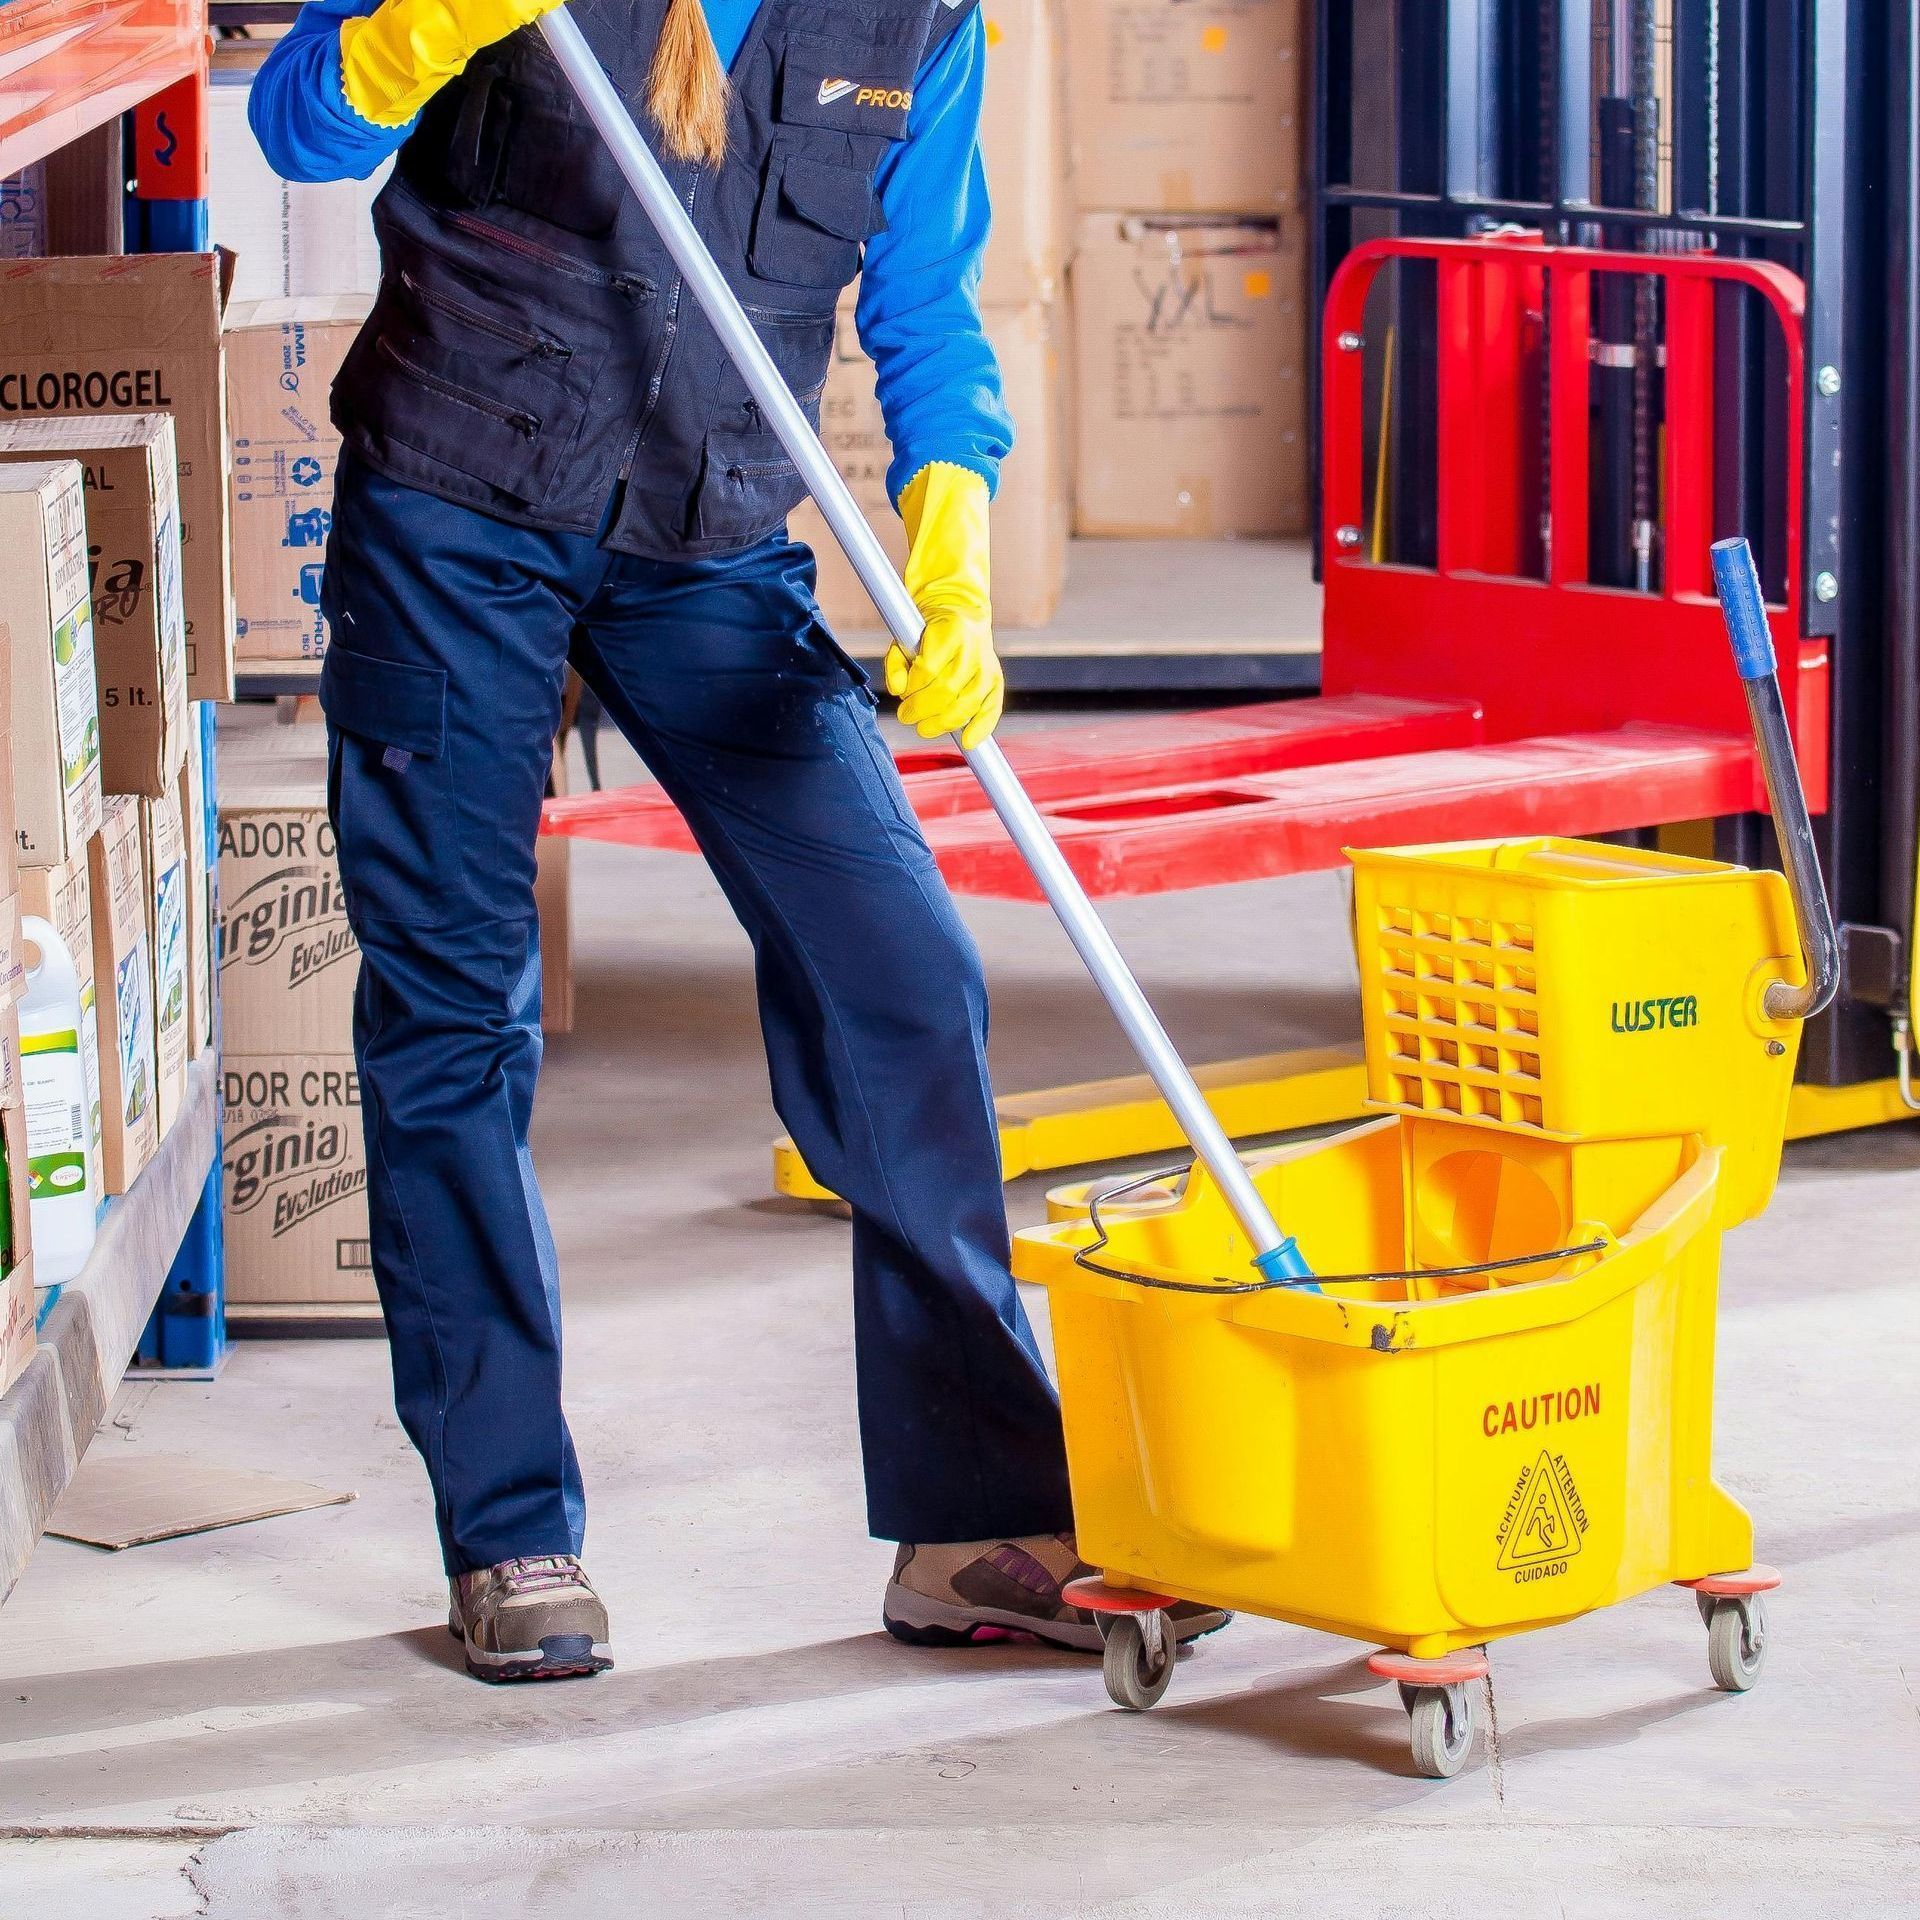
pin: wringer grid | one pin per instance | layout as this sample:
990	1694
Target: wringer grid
1460	1014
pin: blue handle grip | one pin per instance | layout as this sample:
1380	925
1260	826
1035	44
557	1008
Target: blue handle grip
1744	609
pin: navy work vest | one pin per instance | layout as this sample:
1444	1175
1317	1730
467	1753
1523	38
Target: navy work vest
532	343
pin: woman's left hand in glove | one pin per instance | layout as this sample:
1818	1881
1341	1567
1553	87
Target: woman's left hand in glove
954	684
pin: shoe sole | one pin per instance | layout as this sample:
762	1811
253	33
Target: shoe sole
920	1621
562	1656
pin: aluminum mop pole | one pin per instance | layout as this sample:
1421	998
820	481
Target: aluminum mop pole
1274	1252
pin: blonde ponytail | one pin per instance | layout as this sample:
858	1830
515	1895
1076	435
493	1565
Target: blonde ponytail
687	90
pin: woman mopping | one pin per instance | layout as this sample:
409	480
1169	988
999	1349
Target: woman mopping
548	458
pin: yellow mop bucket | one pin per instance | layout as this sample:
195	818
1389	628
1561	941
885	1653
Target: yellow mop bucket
1492	1410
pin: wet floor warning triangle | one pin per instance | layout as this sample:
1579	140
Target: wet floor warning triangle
1543	1526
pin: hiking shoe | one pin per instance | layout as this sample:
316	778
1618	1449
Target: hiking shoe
534	1619
957	1596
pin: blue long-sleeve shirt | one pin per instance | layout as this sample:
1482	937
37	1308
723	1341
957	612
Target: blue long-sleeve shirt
918	312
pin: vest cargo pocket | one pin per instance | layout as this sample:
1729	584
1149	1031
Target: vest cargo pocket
392	787
812	220
748	486
468	380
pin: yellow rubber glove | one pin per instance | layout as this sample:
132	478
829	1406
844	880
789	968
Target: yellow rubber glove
395	59
954	683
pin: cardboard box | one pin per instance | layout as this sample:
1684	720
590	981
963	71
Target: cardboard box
196	833
133	546
1030	511
289	237
123	986
138	333
1191	377
288	959
46	618
1185	106
1023	142
63	897
17	1305
294	1160
282	356
163	849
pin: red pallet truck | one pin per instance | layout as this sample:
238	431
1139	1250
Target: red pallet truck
1496	693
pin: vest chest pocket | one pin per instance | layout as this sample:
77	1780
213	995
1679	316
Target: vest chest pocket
840	101
490	142
813	218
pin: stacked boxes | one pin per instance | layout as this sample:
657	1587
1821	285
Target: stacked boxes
99	672
1189	273
138	333
113	528
128	466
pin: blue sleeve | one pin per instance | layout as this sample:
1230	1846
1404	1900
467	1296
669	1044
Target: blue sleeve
298	109
919	304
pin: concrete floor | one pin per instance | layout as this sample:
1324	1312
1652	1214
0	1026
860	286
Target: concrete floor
268	1720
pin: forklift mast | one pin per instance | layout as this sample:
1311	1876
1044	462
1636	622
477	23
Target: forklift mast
1760	131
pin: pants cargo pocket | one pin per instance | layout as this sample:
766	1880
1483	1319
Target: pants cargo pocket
390	785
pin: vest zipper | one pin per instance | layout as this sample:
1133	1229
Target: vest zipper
668	333
527	425
629	284
538	343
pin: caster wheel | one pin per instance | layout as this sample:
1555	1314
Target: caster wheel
1135	1676
1706	1603
1737	1642
1441	1725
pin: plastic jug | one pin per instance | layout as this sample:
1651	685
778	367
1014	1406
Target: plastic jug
63	1175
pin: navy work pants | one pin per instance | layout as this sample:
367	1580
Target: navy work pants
442	687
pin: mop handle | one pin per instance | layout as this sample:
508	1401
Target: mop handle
1273	1250
1744	609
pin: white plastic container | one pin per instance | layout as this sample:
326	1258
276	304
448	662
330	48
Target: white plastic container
63	1177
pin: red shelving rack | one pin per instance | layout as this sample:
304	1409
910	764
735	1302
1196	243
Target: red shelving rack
68	66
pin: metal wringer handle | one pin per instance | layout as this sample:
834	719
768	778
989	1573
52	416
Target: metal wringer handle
1744	609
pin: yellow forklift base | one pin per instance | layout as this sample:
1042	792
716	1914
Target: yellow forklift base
1099	1121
